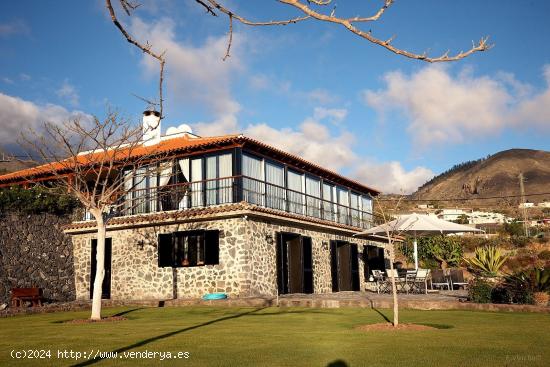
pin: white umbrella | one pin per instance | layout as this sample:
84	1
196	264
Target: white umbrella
418	225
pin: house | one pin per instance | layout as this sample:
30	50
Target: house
228	214
527	204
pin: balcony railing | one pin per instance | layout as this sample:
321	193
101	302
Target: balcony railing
233	189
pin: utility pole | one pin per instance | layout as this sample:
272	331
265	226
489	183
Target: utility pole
522	205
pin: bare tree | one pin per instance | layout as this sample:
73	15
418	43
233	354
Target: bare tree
392	235
95	162
307	10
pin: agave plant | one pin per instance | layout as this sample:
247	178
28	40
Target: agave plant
487	260
539	280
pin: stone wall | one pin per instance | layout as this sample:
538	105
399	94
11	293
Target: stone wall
34	252
247	260
135	273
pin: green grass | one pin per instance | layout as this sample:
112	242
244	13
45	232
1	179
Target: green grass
285	337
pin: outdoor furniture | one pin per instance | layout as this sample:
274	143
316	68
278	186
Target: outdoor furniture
379	279
457	278
20	295
439	280
420	284
399	281
410	276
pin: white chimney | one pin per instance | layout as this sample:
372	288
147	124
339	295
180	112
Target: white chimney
151	127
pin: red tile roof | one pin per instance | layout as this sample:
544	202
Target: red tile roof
188	145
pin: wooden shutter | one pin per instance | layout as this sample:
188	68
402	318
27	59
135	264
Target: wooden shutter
282	266
307	257
165	250
212	247
334	266
355	284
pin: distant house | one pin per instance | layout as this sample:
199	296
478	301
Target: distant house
544	204
526	205
236	216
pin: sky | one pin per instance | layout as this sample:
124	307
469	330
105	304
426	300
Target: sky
312	88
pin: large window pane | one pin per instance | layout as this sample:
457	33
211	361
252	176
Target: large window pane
275	178
355	210
253	180
225	184
366	208
313	202
343	205
328	200
211	183
197	187
295	190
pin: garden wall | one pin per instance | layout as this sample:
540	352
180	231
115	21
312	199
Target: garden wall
34	252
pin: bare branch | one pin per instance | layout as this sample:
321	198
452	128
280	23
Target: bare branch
230	41
146	49
482	45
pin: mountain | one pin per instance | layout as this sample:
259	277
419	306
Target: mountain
8	164
495	175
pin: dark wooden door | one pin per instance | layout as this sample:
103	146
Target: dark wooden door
106	286
294	264
344	266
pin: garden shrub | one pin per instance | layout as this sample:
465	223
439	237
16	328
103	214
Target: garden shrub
519	241
480	290
501	294
36	200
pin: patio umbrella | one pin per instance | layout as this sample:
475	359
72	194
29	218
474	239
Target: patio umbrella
418	225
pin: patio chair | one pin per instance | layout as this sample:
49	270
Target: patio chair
410	276
399	281
439	280
457	278
420	283
378	279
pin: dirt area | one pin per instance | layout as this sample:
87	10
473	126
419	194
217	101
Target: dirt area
89	321
389	327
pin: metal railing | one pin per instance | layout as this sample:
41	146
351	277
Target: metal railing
233	189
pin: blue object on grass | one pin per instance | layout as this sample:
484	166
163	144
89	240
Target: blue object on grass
214	296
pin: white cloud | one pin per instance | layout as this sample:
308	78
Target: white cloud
194	74
7	80
68	93
25	77
446	108
19	116
391	177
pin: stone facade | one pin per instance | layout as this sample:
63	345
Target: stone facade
247	259
34	252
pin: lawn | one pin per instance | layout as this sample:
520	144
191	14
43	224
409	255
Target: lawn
282	337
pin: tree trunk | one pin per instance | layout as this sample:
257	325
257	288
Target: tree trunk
100	265
393	286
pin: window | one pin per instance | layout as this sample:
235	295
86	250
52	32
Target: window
366	207
275	188
343	205
142	187
253	182
328	202
197	186
313	202
189	248
355	210
218	190
295	190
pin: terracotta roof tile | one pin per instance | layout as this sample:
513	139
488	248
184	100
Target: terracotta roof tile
185	144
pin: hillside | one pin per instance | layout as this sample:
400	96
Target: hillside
496	175
12	164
